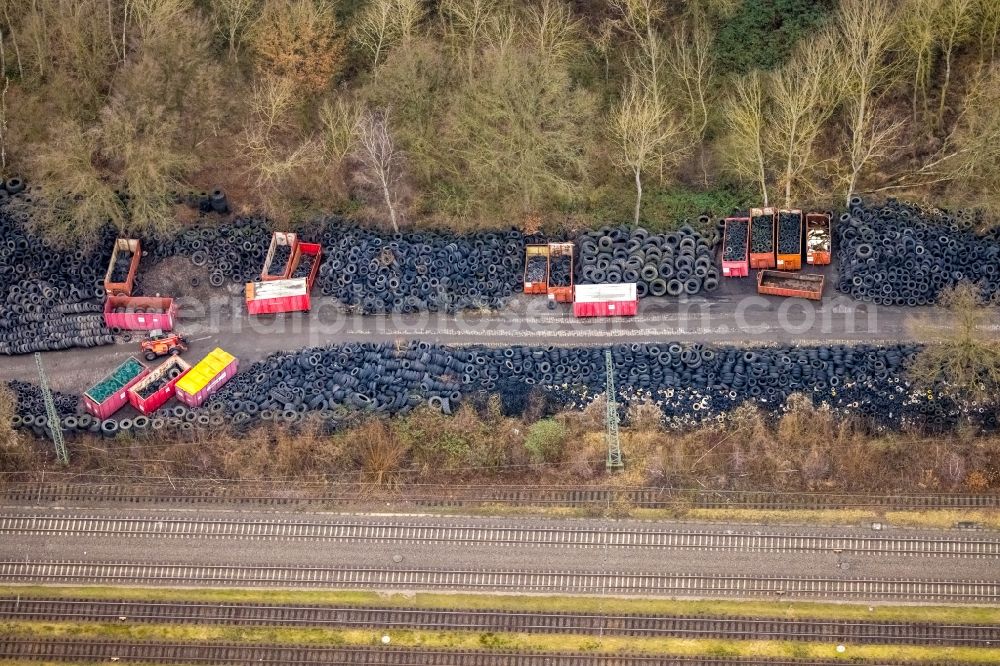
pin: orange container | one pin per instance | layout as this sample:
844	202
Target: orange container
123	287
279	239
763	256
796	285
561	293
790	261
536	254
818	237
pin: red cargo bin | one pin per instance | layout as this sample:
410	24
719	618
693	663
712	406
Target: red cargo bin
764	256
139	313
735	263
818	239
278	296
605	300
111	393
170	371
310	254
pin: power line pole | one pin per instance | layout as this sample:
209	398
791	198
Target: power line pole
55	424
614	461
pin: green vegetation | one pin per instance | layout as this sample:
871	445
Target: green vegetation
545	440
537	114
458	640
762	33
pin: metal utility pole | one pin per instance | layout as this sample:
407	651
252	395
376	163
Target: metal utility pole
614	442
55	425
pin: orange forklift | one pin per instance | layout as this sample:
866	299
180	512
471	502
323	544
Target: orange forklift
161	344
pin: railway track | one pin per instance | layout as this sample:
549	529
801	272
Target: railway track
505	580
347	530
469	496
689	627
68	650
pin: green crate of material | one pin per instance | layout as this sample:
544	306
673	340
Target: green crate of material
114	382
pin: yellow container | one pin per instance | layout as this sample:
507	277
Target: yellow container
205	371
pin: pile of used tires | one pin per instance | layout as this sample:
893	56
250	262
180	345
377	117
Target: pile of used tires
233	252
901	254
673	264
690	383
30	411
420	271
47	295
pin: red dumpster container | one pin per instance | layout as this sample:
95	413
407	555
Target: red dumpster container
139	313
206	377
279	239
305	262
734	262
605	300
111	393
818	239
123	287
170	371
278	296
762	256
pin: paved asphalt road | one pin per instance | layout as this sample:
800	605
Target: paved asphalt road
732	319
389	552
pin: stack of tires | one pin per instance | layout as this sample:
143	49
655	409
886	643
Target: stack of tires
48	295
901	254
673	264
233	252
420	271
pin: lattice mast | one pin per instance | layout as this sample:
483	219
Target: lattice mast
614	461
55	424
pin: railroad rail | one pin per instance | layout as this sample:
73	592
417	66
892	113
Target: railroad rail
506	580
281	655
632	625
425	532
344	493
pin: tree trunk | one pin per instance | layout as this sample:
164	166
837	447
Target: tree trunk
638	195
389	205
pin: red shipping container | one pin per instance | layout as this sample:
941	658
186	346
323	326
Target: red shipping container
140	313
111	393
818	239
150	404
734	265
605	300
794	285
206	377
278	296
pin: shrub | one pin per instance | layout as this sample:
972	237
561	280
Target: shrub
762	33
545	440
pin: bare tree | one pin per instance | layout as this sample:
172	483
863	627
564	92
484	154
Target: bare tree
552	29
233	19
340	118
867	36
692	62
382	159
919	33
803	100
746	119
955	18
643	132
988	18
384	23
968	359
639	20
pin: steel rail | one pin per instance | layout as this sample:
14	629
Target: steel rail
568	582
457	496
68	650
388	531
424	619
